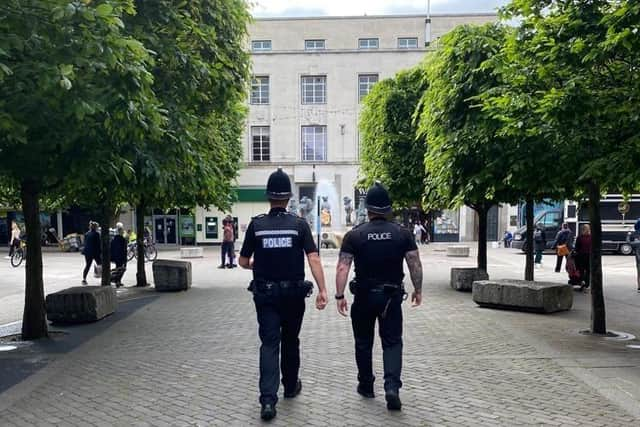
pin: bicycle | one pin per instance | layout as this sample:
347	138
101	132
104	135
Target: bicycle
150	251
19	254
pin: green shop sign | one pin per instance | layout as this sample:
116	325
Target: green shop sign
187	226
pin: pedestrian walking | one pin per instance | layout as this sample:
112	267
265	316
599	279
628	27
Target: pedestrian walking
582	253
378	249
119	254
562	244
274	248
417	232
635	244
14	240
227	248
540	244
91	249
507	238
425	234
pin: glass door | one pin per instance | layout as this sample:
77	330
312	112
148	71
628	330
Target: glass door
159	229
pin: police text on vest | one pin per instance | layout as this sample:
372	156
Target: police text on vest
277	242
379	236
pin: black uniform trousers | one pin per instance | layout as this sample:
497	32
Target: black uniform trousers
367	307
279	322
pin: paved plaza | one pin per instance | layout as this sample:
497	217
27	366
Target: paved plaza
190	358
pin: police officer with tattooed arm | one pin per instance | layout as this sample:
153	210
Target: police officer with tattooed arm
278	242
378	249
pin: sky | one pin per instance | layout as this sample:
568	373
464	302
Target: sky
279	8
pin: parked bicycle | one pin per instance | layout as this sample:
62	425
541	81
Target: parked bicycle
150	251
19	254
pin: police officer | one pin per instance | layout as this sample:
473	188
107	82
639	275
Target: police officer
378	249
278	242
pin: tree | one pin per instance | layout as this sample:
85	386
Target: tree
59	61
586	60
200	77
391	150
529	160
464	154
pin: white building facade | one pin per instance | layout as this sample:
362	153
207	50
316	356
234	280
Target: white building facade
309	78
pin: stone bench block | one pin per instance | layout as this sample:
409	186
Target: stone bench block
171	275
542	297
458	251
81	304
193	252
462	278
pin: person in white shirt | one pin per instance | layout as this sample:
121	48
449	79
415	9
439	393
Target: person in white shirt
418	229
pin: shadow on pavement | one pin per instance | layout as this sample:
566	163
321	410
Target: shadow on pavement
30	357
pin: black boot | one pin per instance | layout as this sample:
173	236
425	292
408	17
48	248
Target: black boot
290	394
393	400
365	388
268	411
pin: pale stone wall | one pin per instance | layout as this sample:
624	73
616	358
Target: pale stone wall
341	63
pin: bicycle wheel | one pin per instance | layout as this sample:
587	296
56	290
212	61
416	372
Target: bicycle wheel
17	257
150	252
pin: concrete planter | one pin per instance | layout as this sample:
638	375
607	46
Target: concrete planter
81	304
462	278
192	252
459	251
541	297
171	275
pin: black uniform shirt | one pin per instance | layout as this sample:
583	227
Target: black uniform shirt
378	248
278	242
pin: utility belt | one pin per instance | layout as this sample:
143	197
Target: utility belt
356	287
293	288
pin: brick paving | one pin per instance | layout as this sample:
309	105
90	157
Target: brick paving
190	359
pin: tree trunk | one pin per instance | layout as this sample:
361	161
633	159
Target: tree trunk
34	321
105	241
598	315
528	270
141	275
482	237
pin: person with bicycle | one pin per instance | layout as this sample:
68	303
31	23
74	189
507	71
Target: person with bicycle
91	249
14	242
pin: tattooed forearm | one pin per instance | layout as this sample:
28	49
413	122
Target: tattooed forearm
415	269
345	260
342	271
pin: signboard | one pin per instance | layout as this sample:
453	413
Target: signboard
623	208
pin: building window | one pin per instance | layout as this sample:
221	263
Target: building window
314	143
368	44
314	45
408	42
260	143
314	89
260	90
365	83
260	45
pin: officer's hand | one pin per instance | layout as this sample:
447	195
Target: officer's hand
416	299
343	306
321	300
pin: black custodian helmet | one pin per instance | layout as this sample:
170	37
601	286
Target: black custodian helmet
378	200
279	186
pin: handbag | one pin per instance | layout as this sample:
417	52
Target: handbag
562	250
